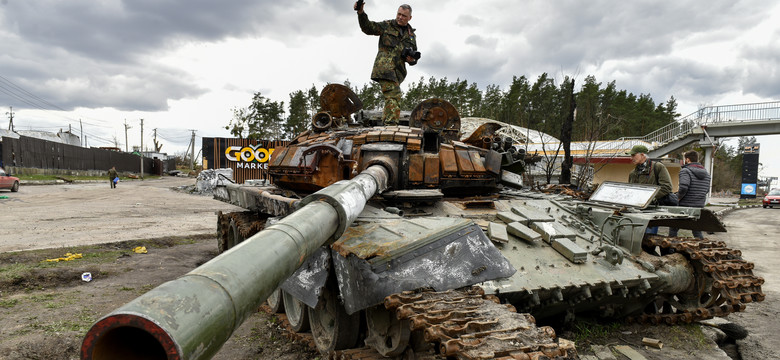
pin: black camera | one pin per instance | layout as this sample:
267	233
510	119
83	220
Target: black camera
410	52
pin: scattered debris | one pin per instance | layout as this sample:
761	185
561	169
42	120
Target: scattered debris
629	352
67	257
602	352
731	330
65	179
565	190
140	250
208	179
655	343
87	277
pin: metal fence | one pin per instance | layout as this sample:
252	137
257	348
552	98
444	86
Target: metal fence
712	115
707	115
28	152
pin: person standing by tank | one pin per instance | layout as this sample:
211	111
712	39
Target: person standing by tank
651	173
112	175
397	46
694	186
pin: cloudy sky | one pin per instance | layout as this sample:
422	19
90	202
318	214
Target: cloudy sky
183	65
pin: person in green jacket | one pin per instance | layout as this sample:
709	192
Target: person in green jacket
390	63
649	172
112	174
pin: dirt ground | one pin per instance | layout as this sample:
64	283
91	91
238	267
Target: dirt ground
45	307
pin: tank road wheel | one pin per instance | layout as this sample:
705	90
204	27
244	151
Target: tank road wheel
223	223
701	294
719	281
386	334
233	235
297	314
275	301
331	327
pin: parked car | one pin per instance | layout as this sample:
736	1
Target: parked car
8	182
771	199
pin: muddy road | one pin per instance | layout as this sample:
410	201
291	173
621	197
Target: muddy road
45	216
45	307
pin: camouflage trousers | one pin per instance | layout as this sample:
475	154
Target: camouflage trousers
391	90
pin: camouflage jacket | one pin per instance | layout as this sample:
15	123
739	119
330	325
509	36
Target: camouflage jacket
659	175
388	64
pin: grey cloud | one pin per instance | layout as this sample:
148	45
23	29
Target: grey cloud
105	50
468	20
762	71
481	41
681	78
474	66
596	31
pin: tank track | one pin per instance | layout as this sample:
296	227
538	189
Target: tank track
247	222
730	278
465	324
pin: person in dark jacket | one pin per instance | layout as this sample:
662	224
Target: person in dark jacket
694	186
390	64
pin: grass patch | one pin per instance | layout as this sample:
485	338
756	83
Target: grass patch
26	270
691	332
80	323
7	304
594	332
42	297
745	202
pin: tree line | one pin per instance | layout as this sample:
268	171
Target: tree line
602	111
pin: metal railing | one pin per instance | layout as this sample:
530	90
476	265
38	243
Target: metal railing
710	115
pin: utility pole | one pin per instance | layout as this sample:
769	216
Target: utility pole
142	149
81	133
192	155
126	127
11	116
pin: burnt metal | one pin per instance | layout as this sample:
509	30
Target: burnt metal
306	283
339	101
437	116
459	259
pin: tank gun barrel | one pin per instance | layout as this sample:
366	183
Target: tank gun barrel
192	317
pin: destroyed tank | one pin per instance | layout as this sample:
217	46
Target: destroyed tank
417	241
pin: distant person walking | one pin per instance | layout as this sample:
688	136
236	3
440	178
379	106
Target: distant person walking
694	186
113	177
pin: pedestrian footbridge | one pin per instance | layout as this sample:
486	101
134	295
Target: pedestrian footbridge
708	124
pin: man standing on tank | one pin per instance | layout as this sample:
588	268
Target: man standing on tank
390	66
693	187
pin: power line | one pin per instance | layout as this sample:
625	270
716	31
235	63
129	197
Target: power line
30	94
19	93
